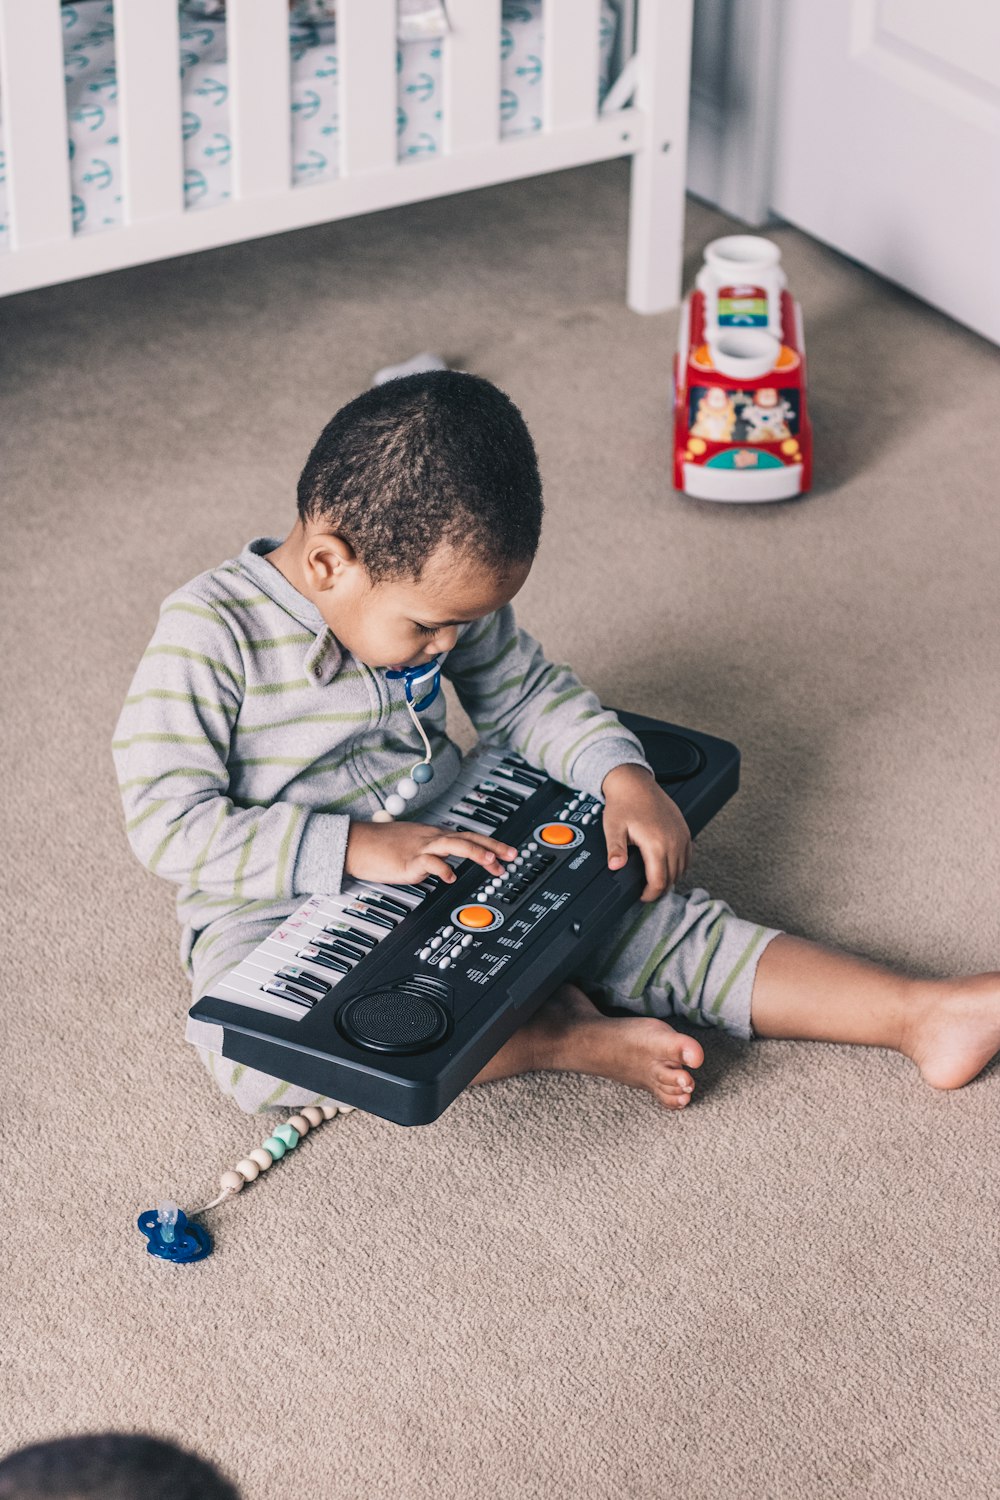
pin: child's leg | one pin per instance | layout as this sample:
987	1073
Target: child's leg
692	957
950	1028
688	956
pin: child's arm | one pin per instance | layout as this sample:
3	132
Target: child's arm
171	746
513	694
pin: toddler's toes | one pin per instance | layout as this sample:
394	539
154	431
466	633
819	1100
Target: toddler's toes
674	1086
678	1048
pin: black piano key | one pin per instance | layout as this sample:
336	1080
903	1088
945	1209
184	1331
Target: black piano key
289	992
516	763
354	934
377	919
494	804
479	814
303	977
498	794
381	911
522	778
320	956
327	944
399	907
515	797
355	955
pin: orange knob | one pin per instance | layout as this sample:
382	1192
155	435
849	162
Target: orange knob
557	833
475	916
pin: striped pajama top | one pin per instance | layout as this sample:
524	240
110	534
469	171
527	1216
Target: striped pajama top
250	738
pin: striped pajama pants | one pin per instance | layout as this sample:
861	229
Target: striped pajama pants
686	956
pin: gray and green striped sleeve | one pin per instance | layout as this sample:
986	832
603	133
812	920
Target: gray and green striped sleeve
170	748
515	696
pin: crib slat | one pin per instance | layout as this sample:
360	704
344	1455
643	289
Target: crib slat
259	96
34	122
572	55
472	75
659	171
366	43
149	105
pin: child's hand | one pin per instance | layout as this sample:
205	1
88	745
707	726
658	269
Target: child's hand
637	811
405	853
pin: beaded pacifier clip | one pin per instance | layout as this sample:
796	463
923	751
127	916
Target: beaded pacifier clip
169	1231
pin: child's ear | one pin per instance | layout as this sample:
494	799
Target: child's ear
327	558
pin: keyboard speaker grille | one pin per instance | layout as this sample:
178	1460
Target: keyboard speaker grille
393	1021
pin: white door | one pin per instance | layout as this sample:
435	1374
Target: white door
887	142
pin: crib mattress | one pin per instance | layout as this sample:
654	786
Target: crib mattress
91	88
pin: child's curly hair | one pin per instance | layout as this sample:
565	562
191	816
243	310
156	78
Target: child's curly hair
427	459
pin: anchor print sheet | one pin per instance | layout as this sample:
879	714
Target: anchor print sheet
92	93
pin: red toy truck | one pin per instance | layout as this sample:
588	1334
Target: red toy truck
741	427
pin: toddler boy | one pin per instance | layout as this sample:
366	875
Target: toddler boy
261	738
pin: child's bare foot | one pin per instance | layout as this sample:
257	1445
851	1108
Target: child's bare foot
569	1034
955	1029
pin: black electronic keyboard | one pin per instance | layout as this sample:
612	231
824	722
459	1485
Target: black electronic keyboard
393	998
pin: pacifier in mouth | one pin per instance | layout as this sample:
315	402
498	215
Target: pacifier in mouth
421	683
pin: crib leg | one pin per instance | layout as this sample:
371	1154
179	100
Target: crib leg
659	169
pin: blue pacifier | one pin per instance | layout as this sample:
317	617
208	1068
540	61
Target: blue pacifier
416	679
170	1235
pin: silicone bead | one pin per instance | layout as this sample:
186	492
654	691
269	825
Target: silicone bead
249	1168
287	1135
394	805
263	1158
423	773
276	1146
299	1123
329	1110
231	1182
407	788
313	1114
382	816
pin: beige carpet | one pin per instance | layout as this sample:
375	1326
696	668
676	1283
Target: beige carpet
558	1290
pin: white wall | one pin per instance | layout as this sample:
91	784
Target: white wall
733	74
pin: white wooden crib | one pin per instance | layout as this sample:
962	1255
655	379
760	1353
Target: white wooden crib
652	130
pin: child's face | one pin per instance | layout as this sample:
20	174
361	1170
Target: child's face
401	622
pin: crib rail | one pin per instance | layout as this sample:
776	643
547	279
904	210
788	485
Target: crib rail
149	105
263	201
571	62
472	76
259	96
34	107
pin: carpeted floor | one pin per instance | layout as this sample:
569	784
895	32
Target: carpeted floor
558	1290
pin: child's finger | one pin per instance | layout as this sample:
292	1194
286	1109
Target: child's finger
658	873
462	845
439	867
616	836
495	846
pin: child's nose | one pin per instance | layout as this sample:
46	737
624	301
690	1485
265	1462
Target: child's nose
444	640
